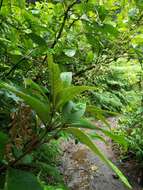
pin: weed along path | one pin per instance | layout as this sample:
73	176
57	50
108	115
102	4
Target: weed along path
83	170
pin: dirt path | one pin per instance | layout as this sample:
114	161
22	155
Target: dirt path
83	170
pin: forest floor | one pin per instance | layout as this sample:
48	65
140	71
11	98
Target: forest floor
83	170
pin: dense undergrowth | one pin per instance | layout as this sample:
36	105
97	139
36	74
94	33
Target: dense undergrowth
43	47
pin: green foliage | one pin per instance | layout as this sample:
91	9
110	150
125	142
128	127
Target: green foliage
54	188
132	127
84	123
42	108
17	179
101	44
115	85
3	142
71	114
47	159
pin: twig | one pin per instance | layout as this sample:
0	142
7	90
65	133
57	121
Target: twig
29	150
58	36
15	66
74	22
79	73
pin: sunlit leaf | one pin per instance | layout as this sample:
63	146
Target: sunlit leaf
66	78
70	93
72	112
54	77
85	123
97	113
70	52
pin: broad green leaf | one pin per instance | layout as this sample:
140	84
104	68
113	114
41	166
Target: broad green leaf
37	39
3	142
54	77
12	96
139	4
79	134
84	123
72	112
109	29
30	18
6	7
20	3
102	111
97	113
49	187
70	93
92	39
70	52
66	78
102	12
41	108
96	136
27	159
21	180
35	87
120	139
89	57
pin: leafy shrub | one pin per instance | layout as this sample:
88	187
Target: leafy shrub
132	127
67	30
57	112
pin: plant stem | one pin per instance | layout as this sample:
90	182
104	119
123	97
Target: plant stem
58	36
